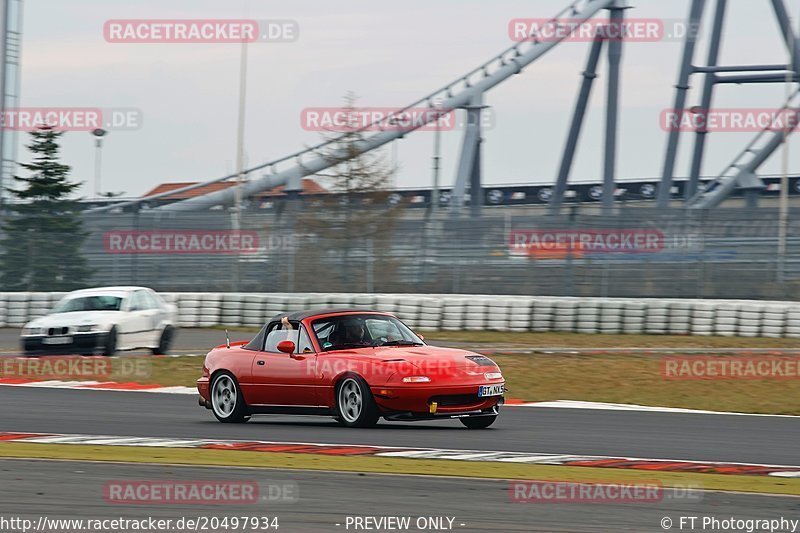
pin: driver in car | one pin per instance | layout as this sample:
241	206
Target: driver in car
355	333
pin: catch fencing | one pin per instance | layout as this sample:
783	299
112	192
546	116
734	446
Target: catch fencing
474	312
638	253
730	253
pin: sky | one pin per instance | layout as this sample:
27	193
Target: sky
389	54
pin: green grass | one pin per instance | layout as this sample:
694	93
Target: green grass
638	380
635	379
585	340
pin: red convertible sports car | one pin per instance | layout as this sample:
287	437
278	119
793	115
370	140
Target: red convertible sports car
356	366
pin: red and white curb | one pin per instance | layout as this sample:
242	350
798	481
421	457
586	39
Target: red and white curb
597	461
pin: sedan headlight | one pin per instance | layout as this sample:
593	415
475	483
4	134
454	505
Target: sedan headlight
417	379
493	375
32	331
87	328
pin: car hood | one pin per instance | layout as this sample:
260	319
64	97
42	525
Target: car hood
421	356
76	318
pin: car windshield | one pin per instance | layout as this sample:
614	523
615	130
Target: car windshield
358	331
89	303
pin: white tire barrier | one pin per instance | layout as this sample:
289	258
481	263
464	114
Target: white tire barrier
542	316
657	318
633	317
470	312
610	316
564	313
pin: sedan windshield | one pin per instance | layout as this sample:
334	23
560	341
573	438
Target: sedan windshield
89	303
359	331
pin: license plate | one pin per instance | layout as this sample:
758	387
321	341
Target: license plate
57	340
491	390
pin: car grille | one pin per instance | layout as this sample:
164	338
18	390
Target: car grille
453	400
58	331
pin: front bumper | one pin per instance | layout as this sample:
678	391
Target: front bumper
417	403
81	343
205	396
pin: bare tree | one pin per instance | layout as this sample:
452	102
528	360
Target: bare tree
351	226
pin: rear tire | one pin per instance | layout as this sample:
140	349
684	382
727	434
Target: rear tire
478	422
355	406
227	402
164	341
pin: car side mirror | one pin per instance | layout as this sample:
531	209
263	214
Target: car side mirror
420	337
286	347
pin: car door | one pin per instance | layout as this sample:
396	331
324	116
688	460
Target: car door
155	314
281	379
136	325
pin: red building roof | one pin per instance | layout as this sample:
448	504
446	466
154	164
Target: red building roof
310	186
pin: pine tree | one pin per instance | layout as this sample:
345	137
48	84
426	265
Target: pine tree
42	237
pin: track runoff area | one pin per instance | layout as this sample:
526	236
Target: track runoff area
139	457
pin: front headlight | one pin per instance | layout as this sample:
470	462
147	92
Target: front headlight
417	379
32	331
87	328
493	375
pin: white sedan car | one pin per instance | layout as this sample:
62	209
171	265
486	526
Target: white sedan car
103	320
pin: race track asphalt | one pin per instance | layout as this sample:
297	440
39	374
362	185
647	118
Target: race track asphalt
701	437
325	499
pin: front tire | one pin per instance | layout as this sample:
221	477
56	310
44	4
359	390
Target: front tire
478	422
164	341
355	406
110	347
227	402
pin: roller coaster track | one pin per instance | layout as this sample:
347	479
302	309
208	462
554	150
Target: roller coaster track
741	172
455	95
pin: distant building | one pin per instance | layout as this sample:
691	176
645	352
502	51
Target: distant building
310	186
